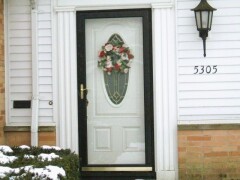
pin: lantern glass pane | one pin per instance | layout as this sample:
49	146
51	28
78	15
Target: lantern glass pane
198	19
205	19
210	20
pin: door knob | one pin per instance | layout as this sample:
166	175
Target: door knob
83	91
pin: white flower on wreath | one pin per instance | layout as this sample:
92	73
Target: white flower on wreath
126	70
119	62
115	48
109	58
129	63
124	56
108	47
109	62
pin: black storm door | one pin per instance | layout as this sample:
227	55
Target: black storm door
115	103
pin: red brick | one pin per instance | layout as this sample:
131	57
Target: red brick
234	132
181	160
215	159
194	149
215	132
190	155
199	138
189	133
182	138
215	143
216	154
207	149
224	148
234	153
181	149
194	143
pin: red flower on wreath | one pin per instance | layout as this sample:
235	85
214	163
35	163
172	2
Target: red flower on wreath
109	69
117	67
121	49
101	54
130	56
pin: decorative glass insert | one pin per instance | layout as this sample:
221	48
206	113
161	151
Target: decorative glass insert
116	86
115	59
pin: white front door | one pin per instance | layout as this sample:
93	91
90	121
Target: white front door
115	120
115	93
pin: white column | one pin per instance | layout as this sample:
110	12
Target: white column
67	126
164	66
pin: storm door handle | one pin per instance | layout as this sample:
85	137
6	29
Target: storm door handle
83	91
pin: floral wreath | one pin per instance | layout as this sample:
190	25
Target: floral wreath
115	57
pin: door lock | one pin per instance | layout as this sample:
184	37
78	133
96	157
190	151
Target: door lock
83	91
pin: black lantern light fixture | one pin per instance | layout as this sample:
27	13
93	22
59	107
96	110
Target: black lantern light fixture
203	15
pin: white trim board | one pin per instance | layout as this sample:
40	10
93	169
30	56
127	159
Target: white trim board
114	6
106	3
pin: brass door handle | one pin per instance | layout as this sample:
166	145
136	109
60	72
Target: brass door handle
82	90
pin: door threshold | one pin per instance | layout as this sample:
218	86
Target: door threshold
120	169
134	175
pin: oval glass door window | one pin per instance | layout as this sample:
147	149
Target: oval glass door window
115	59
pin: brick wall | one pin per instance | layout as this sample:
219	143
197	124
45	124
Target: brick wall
2	76
209	154
24	138
47	138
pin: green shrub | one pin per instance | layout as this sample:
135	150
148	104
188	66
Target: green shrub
67	160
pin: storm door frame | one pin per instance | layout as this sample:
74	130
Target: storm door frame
146	170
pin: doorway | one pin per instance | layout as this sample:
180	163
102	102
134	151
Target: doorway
115	102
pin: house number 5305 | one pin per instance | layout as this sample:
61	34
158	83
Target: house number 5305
205	69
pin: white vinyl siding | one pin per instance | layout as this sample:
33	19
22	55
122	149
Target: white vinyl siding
19	59
209	98
45	61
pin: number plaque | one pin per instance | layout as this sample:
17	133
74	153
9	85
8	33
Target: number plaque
209	69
